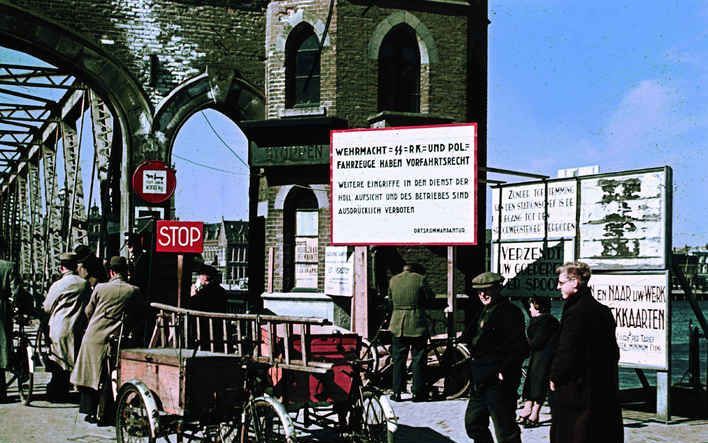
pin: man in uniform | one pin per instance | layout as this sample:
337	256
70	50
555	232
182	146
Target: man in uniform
498	347
410	295
65	303
112	305
9	292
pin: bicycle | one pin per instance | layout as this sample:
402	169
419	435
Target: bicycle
25	354
446	374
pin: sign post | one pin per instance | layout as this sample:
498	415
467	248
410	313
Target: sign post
181	237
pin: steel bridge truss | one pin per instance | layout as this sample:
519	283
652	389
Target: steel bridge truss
41	217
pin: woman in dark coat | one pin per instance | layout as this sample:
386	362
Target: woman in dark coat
542	334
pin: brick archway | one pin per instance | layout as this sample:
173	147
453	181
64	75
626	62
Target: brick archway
221	90
57	44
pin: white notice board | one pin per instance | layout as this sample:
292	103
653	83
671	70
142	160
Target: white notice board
412	185
640	306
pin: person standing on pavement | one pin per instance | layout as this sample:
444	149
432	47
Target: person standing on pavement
206	294
410	296
9	293
542	334
498	347
113	305
65	303
584	374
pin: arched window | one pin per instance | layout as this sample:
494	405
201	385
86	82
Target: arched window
399	71
301	234
302	68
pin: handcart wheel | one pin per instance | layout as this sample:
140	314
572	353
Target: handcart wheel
377	422
266	421
447	376
132	417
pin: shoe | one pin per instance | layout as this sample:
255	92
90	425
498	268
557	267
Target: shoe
396	397
91	418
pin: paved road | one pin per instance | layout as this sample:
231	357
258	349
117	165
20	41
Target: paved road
433	422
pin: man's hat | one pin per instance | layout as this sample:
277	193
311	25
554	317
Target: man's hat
207	270
487	280
67	256
117	263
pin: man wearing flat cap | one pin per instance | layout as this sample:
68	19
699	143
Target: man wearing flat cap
64	303
113	307
498	347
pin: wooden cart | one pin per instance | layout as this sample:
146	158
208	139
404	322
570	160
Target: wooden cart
217	377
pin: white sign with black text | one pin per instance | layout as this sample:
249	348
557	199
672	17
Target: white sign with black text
523	211
529	269
640	306
339	271
409	185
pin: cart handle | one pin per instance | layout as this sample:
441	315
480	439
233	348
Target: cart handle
260	318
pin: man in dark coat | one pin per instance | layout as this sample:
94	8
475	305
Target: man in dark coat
410	295
9	292
498	347
206	294
584	373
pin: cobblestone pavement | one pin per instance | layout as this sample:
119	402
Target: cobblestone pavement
432	422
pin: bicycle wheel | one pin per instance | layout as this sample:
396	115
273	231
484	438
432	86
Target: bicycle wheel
447	376
132	418
23	367
370	419
370	360
264	421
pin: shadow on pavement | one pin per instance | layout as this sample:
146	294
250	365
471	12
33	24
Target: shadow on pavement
412	434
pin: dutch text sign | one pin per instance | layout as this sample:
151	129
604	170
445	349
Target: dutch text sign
640	307
181	237
529	268
519	211
408	185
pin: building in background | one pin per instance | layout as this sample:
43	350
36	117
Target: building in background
226	248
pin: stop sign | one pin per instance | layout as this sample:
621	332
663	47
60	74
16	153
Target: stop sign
183	237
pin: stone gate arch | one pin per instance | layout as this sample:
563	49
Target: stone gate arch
222	90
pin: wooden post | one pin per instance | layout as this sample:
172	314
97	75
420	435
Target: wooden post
180	263
360	301
450	313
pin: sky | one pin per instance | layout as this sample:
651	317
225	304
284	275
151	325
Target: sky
619	84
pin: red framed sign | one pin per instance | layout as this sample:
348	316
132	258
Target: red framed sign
412	185
154	181
182	237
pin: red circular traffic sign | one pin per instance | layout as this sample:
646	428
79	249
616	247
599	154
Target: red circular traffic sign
154	181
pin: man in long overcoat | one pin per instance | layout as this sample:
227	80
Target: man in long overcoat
105	311
409	295
584	372
9	292
498	347
65	303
